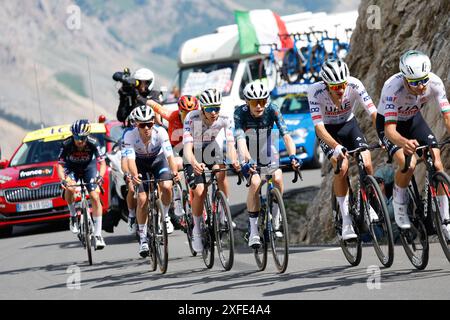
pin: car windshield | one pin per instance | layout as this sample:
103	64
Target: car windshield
40	151
292	104
194	80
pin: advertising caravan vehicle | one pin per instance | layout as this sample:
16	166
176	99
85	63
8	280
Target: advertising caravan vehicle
214	60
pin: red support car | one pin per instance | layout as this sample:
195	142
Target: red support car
30	190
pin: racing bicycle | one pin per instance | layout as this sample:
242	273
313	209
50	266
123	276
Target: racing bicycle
367	196
277	237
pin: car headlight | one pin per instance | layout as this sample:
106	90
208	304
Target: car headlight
2	193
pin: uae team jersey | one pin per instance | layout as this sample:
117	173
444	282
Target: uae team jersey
397	104
133	147
196	131
324	111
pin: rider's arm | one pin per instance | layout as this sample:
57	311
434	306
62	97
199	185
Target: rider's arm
323	134
188	153
61	174
290	145
239	133
364	98
102	168
163	112
390	129
447	121
441	95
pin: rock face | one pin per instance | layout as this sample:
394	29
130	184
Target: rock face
374	57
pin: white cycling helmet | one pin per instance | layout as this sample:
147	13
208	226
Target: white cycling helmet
145	75
256	90
334	71
211	97
415	64
143	114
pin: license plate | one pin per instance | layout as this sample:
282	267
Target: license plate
33	206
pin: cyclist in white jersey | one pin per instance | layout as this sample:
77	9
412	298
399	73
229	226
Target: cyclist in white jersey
401	127
148	150
203	147
332	104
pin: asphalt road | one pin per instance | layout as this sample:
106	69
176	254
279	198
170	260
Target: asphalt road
41	262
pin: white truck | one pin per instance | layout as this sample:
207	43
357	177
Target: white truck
214	60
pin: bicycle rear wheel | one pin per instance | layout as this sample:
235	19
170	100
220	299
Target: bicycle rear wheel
381	230
161	240
441	181
278	230
87	234
415	239
260	253
208	238
352	249
188	221
223	231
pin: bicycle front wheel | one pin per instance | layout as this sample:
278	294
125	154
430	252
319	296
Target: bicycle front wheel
260	253
87	234
151	243
352	249
208	238
415	239
441	181
161	240
223	228
278	230
380	230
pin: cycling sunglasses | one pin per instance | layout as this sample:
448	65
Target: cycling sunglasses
146	125
416	82
255	103
80	138
337	87
212	109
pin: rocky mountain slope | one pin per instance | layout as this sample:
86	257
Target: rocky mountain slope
422	25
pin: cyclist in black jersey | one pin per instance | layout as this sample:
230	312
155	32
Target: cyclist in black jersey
78	160
254	124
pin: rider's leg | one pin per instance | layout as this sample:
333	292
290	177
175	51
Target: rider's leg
96	212
222	180
142	215
131	201
166	198
254	207
340	186
367	159
400	193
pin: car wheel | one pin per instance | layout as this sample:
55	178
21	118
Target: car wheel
318	157
6	232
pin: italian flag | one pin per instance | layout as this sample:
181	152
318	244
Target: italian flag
258	27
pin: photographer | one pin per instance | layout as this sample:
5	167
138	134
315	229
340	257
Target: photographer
135	90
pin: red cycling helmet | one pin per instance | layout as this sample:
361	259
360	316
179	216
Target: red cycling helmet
187	103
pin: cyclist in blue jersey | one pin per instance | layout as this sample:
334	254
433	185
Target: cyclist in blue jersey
78	160
255	138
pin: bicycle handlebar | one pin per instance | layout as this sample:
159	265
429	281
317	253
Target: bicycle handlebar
297	173
353	153
408	158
